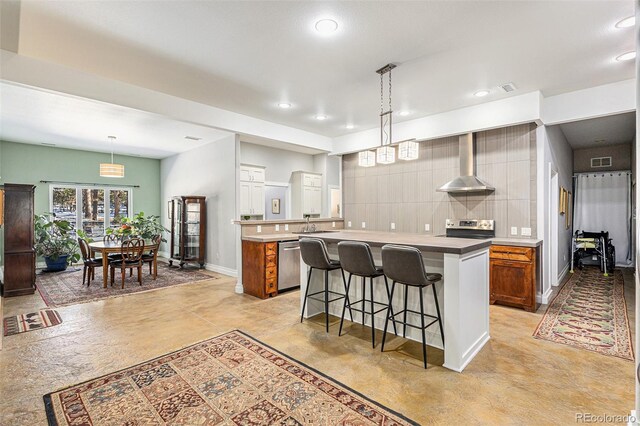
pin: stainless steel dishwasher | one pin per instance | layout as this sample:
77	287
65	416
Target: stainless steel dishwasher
288	264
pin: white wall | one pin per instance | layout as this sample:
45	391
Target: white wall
556	154
207	171
278	162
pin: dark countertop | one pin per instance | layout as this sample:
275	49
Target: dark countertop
422	242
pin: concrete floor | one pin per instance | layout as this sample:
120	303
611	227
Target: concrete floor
515	379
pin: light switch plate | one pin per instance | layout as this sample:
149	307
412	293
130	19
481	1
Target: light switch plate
259	229
364	225
333	224
525	232
393	226
277	228
427	227
514	230
349	224
286	227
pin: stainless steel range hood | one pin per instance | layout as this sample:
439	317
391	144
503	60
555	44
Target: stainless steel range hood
467	181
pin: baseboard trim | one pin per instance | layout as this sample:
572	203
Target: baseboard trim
221	269
208	266
544	298
563	273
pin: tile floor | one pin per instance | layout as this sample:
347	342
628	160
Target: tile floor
515	379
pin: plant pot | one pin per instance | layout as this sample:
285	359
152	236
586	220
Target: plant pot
59	264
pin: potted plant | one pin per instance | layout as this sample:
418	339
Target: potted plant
139	226
54	242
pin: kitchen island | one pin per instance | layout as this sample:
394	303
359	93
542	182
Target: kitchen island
464	289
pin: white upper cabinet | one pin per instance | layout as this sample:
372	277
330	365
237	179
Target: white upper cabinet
251	190
251	174
306	194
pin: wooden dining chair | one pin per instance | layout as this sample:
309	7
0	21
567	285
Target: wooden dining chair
89	262
152	257
131	252
112	238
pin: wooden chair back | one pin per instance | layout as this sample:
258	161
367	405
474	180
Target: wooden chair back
132	250
84	249
110	238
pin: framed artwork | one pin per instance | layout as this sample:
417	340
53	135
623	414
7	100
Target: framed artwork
563	200
569	215
275	205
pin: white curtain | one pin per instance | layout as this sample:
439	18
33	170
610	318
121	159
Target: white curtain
603	203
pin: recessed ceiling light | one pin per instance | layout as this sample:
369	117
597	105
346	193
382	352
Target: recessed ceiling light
404	113
326	26
481	93
626	56
626	22
350	126
284	105
321	117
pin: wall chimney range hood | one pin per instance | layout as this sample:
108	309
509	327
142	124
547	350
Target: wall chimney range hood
467	181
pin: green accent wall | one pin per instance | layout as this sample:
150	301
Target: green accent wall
29	164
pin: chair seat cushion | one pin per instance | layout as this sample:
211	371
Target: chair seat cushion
434	277
147	257
118	263
93	262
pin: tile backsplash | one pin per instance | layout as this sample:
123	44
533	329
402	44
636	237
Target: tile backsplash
404	193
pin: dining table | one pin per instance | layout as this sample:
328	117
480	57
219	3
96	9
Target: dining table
109	247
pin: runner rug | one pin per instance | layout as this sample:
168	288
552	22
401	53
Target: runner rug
65	288
229	379
32	321
590	313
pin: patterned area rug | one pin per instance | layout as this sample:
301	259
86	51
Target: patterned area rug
65	288
32	321
590	312
231	379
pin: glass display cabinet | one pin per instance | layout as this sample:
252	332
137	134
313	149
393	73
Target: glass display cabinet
188	229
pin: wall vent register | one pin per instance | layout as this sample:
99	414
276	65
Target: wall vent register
597	162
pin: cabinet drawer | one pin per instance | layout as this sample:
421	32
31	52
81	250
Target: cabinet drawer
270	249
522	254
271	285
270	261
270	272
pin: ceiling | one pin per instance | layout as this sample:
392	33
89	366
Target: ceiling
30	115
248	56
603	131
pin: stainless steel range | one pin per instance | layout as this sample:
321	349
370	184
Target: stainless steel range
470	228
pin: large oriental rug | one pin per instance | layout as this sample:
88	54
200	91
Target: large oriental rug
65	288
590	313
231	379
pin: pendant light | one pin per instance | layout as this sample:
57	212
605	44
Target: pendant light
408	150
386	154
112	170
367	158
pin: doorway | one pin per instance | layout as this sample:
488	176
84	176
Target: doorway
553	224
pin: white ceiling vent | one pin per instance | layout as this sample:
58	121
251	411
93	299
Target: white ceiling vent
597	162
508	87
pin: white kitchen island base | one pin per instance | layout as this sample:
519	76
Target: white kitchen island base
463	292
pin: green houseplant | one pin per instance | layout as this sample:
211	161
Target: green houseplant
54	242
139	226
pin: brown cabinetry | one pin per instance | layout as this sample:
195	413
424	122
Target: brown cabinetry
19	254
512	274
260	268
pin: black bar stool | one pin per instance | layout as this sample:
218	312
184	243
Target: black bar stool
356	259
404	265
314	254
